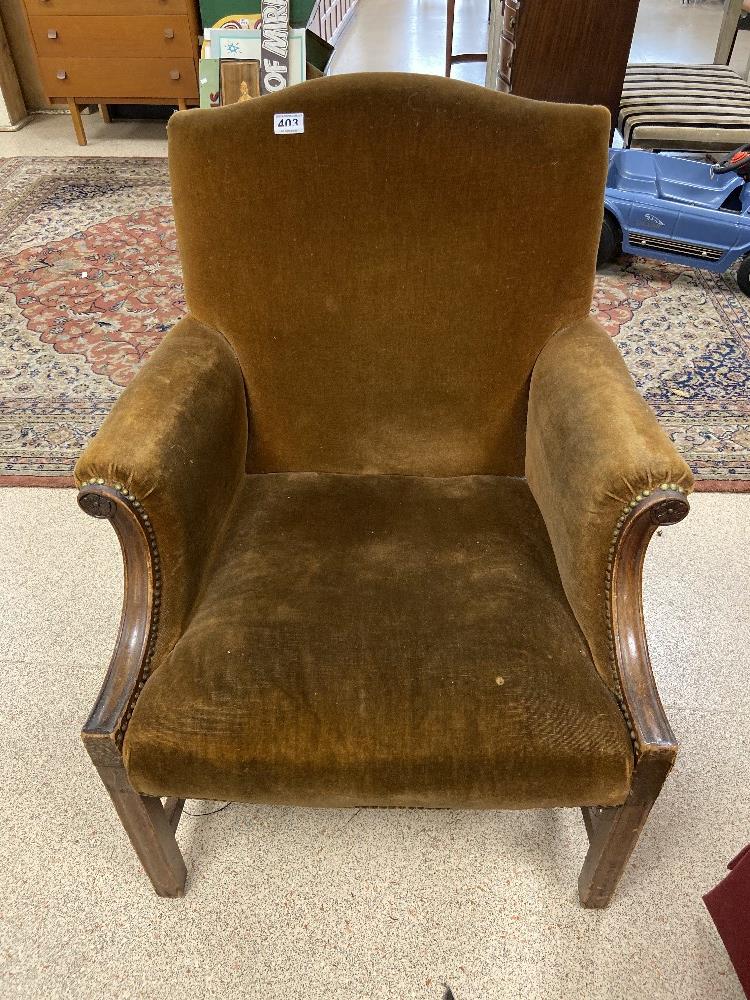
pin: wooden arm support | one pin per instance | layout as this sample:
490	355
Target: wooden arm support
129	667
613	832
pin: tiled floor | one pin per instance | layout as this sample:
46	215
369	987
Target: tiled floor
288	904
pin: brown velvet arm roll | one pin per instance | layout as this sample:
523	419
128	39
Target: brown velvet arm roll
592	447
176	440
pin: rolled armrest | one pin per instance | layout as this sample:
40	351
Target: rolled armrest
593	448
174	447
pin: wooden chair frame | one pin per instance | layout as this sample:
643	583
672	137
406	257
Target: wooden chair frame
151	825
461	57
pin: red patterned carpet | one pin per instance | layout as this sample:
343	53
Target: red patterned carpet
90	282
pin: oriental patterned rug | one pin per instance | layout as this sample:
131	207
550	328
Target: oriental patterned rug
90	282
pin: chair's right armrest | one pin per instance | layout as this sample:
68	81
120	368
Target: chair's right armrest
164	468
604	475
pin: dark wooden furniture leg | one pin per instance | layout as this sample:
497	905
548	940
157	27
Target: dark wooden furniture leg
613	832
449	36
106	117
463	57
150	831
173	809
150	825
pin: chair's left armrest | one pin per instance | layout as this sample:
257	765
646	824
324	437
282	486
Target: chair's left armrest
164	468
604	475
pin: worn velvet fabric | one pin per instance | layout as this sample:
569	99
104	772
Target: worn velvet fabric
177	439
331	450
382	640
592	446
388	277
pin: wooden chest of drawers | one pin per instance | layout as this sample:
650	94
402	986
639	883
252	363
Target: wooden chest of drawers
124	51
570	50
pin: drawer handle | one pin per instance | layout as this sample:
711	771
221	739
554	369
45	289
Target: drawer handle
51	33
174	74
62	75
169	32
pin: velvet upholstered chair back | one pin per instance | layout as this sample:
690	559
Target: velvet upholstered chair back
388	277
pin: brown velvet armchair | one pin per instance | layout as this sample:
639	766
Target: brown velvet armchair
384	495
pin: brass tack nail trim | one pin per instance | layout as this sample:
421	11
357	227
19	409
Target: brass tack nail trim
619	694
146	667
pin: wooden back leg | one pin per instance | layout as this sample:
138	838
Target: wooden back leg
614	832
150	826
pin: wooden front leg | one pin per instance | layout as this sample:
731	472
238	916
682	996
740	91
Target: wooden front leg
614	832
150	829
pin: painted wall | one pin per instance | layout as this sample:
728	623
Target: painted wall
21	48
4	116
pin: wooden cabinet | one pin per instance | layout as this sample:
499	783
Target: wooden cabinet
571	50
128	51
90	7
164	36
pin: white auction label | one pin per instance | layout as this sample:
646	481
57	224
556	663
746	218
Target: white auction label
289	124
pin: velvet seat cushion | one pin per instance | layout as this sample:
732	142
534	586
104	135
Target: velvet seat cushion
381	640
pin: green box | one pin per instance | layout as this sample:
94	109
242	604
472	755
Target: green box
213	10
318	54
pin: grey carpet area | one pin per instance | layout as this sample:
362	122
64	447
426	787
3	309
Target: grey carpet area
371	904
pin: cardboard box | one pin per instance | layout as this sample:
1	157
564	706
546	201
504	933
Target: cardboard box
233	44
214	79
